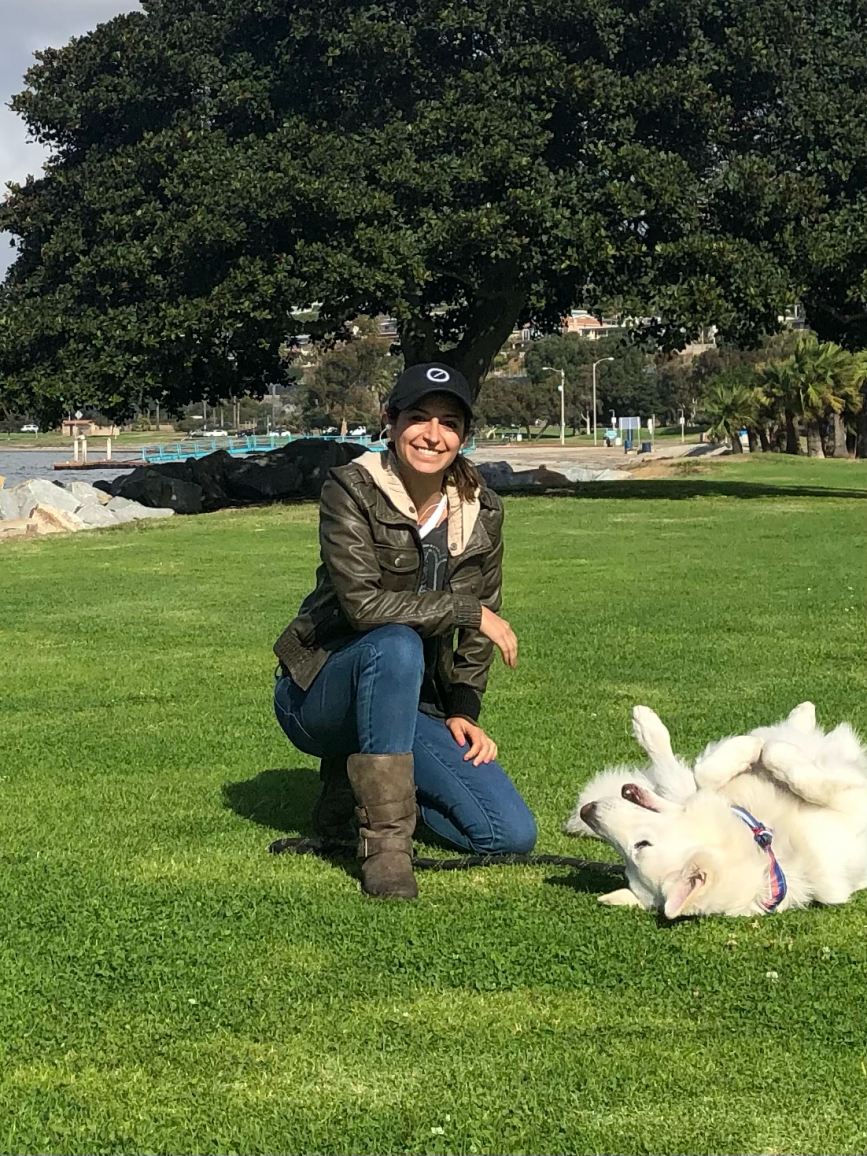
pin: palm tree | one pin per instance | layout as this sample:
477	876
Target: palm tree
856	410
823	386
776	390
730	405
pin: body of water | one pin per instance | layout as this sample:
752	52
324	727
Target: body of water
20	465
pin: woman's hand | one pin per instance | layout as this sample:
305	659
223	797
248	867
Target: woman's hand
501	634
482	749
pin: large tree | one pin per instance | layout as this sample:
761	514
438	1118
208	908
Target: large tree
459	164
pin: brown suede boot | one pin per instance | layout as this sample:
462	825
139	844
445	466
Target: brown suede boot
334	810
385	790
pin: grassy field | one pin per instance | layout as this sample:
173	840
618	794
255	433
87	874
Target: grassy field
167	986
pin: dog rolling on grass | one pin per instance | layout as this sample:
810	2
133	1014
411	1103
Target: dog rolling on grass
763	822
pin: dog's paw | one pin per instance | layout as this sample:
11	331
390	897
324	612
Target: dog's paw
720	762
783	759
650	732
803	717
621	898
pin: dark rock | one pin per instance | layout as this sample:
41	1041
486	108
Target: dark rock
258	480
154	488
211	472
296	470
181	471
103	485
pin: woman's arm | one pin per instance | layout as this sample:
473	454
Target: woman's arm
349	554
474	652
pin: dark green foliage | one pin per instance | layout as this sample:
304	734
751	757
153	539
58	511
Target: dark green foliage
518	401
350	380
460	165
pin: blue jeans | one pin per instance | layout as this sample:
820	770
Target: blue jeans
365	700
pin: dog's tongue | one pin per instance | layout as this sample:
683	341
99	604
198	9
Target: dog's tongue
635	794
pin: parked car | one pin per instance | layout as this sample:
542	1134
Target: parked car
283	433
360	431
214	433
30	428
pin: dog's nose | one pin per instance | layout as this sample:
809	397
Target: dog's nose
587	811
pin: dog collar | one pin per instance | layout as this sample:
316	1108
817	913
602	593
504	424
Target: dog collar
762	836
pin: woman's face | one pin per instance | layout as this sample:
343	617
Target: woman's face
429	434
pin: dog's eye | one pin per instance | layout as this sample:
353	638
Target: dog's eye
641	843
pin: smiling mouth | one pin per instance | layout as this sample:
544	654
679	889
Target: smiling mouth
427	451
637	795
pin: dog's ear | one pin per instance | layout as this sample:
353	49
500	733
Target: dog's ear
682	894
803	717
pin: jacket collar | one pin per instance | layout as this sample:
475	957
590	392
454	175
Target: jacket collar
382	469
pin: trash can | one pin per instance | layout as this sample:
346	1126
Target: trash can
627	445
646	447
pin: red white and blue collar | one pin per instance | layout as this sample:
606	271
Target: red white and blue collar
762	836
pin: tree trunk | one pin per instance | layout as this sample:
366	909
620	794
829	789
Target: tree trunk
764	440
737	448
495	309
793	440
838	437
861	434
752	438
814	440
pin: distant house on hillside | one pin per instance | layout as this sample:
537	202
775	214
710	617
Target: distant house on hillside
586	325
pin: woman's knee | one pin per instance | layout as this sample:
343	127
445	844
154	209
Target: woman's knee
518	835
513	833
399	651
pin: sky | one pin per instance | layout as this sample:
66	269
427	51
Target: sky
29	25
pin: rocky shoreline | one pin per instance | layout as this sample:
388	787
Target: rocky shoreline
292	472
37	507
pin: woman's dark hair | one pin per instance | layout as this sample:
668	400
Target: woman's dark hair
461	474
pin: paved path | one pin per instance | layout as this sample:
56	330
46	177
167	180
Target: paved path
528	456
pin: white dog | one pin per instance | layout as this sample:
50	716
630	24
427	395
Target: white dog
764	822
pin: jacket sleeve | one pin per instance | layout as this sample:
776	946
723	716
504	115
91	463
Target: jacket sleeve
349	555
474	652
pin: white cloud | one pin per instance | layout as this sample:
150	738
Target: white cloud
28	27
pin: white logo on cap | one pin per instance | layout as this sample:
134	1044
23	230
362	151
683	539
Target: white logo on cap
438	375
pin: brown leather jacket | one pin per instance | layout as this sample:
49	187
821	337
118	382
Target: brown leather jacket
370	574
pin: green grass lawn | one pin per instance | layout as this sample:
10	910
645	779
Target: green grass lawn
167	986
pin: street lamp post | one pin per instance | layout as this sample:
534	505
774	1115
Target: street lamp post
562	388
595	363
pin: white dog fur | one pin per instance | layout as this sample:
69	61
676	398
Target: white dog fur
692	855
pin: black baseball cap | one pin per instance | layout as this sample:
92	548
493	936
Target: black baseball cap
418	381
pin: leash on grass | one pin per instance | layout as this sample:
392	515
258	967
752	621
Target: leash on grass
305	846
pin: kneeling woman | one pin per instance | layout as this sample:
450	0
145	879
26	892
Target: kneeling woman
372	680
